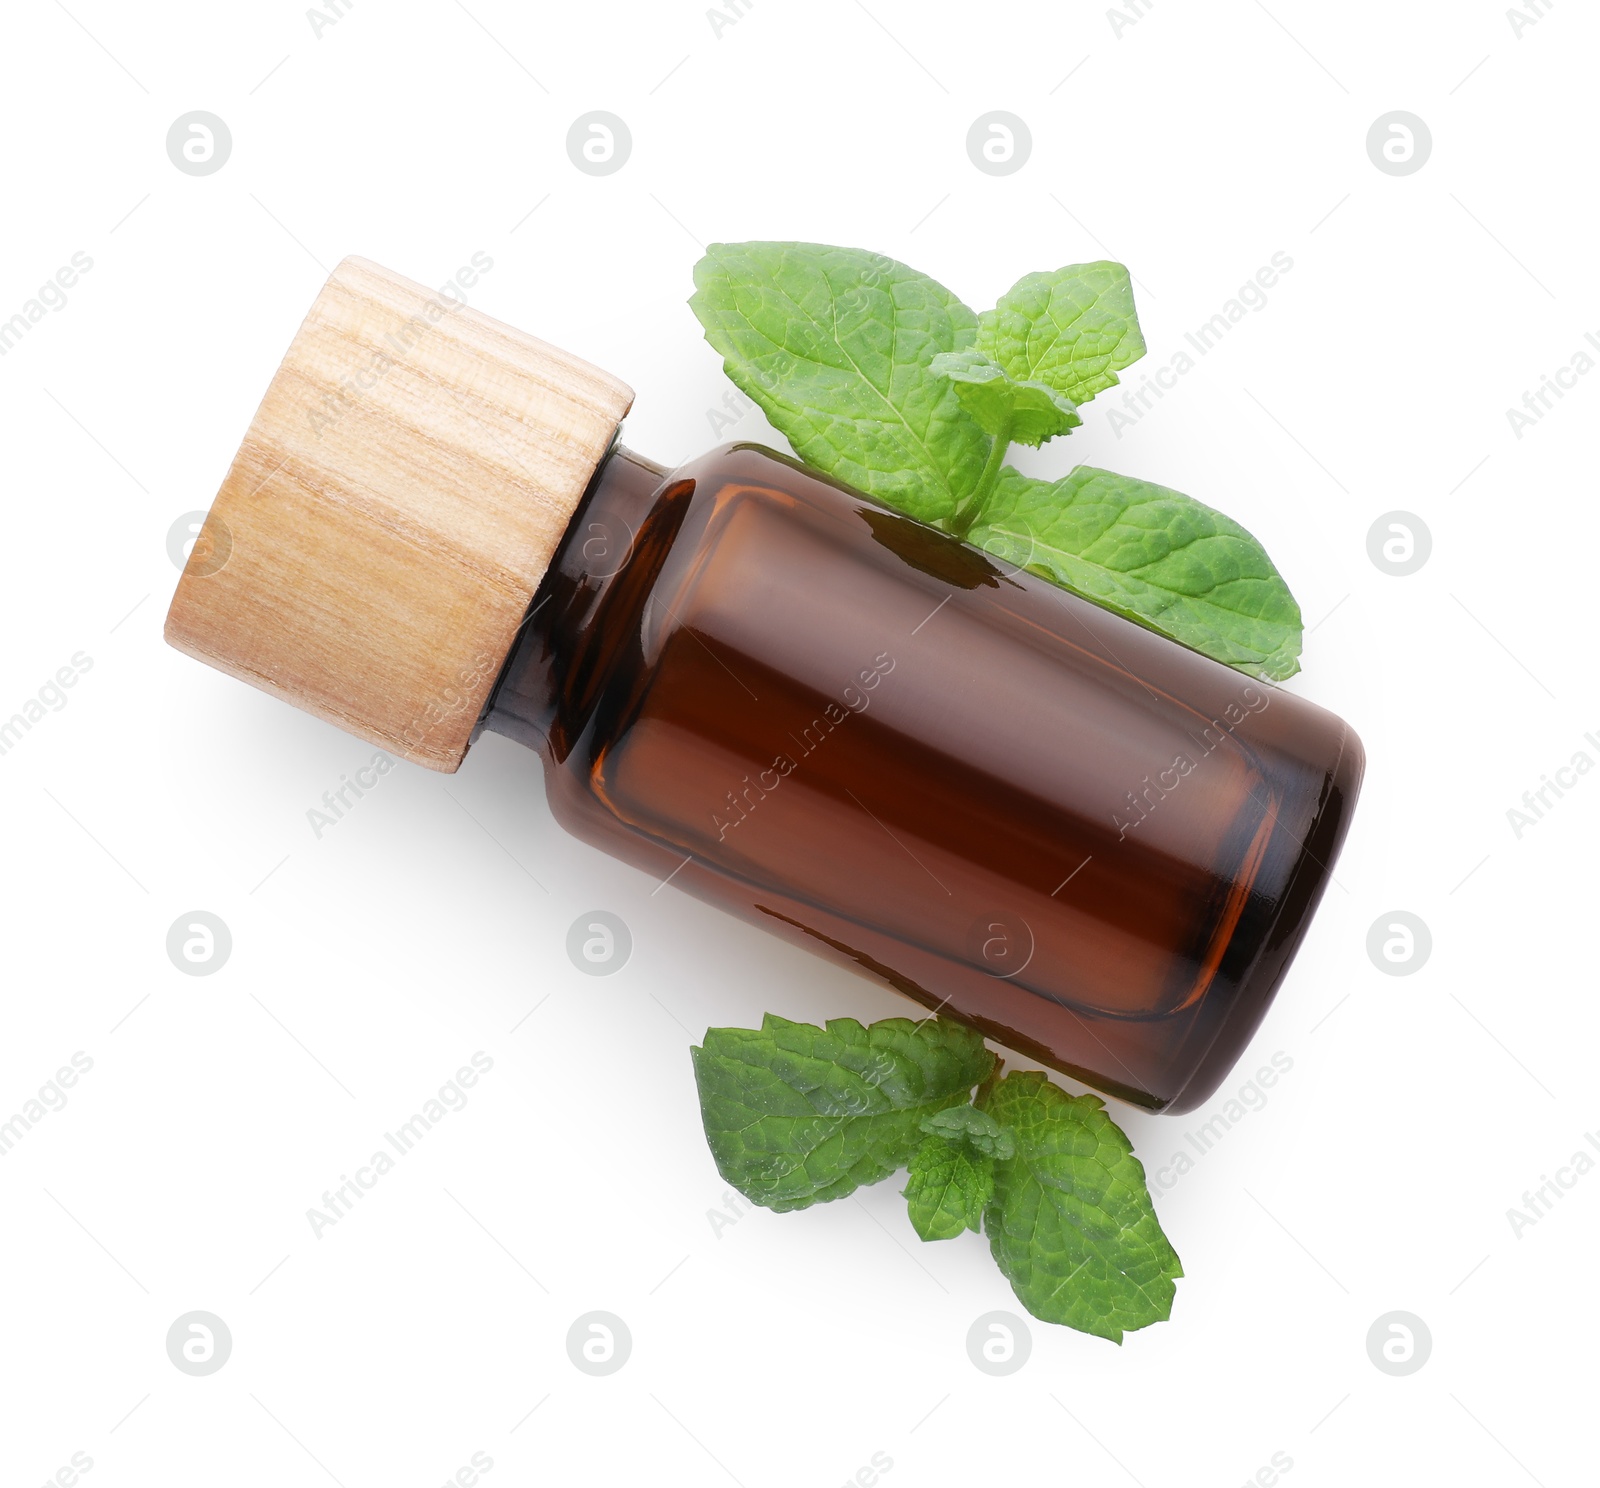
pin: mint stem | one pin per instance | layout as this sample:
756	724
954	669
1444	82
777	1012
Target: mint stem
961	522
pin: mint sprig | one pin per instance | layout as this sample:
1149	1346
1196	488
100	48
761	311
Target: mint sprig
951	1185
1073	329
834	345
1027	412
1071	1223
797	1115
1151	555
884	379
952	1172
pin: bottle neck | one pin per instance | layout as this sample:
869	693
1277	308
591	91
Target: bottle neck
585	610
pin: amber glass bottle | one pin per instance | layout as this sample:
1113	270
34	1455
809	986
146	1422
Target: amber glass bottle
1097	846
1018	809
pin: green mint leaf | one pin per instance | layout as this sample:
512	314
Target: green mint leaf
1152	555
1073	329
1071	1223
950	1187
1028	412
977	1128
834	345
798	1115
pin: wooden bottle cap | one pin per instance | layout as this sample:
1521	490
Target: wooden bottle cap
397	500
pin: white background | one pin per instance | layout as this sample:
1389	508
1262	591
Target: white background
431	922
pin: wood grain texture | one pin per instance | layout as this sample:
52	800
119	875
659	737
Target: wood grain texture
398	498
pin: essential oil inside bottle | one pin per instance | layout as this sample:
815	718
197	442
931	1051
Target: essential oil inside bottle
1015	807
